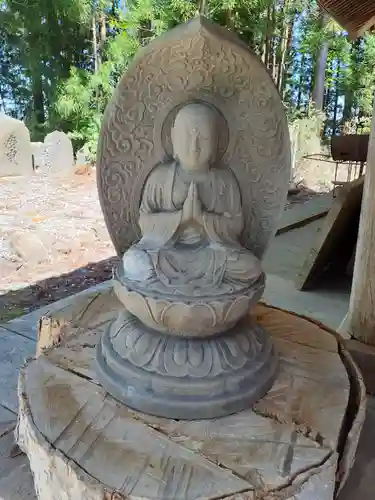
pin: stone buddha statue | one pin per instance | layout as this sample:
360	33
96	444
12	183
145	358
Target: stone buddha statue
191	219
184	345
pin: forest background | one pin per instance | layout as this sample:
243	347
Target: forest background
60	60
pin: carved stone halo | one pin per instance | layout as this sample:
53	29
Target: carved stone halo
167	124
197	61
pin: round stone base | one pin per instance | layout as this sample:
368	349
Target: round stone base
185	378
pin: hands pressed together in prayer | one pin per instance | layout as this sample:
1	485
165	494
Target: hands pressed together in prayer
192	208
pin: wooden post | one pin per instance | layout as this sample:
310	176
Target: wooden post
361	316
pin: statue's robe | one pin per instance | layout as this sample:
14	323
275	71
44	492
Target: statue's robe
193	259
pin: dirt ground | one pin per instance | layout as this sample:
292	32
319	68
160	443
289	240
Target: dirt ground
53	240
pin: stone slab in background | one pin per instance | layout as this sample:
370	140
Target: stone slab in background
303	213
81	158
58	152
331	243
15	148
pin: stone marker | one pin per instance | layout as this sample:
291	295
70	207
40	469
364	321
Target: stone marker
83	165
15	147
58	152
81	158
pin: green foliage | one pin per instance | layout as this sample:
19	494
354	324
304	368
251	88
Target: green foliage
82	98
61	60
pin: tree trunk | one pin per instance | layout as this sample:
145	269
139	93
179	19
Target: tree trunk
95	43
267	51
347	114
337	95
38	98
309	90
348	105
202	7
289	45
144	31
355	55
3	101
267	40
326	101
102	36
282	58
328	91
299	97
263	48
274	40
229	19
319	80
274	60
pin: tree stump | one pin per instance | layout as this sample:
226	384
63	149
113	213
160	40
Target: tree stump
298	442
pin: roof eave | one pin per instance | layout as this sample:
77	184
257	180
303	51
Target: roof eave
355	25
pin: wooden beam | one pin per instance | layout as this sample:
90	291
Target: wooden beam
355	17
361	316
353	34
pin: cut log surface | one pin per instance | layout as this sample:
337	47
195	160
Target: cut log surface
297	443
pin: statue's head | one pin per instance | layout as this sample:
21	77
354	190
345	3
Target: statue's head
194	136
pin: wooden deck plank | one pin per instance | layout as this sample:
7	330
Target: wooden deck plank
15	349
16	482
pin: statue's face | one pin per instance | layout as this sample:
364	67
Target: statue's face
194	136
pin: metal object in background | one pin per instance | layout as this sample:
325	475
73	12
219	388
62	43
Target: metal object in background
350	147
351	151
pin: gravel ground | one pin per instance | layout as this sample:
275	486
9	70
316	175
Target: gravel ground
53	240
